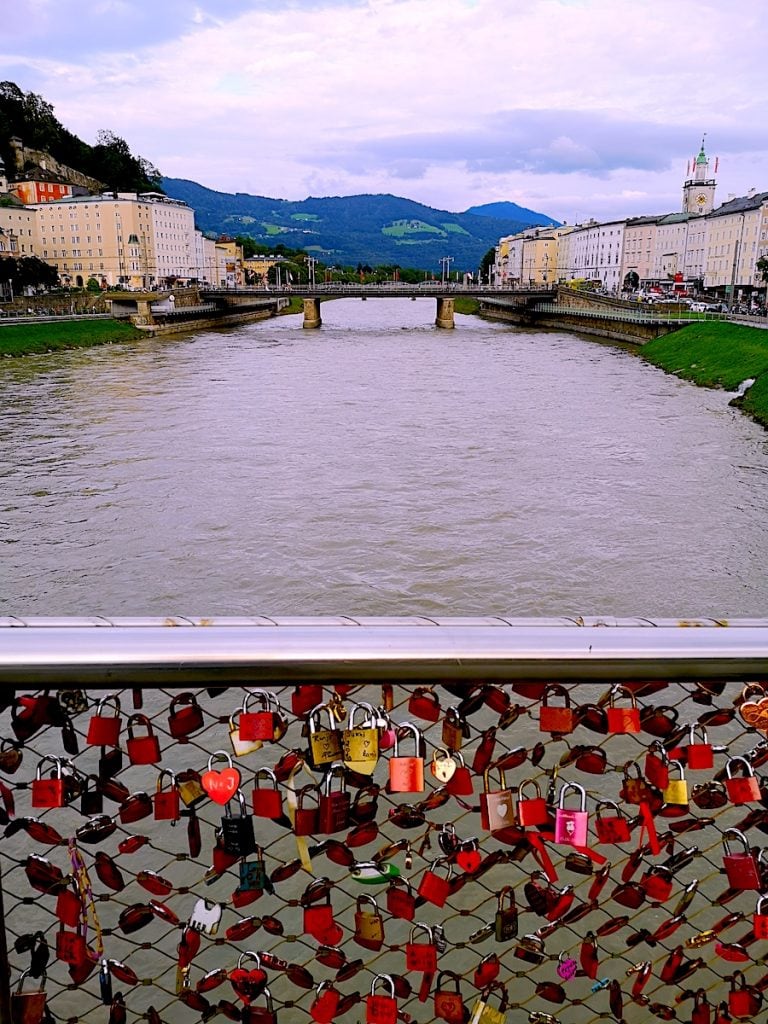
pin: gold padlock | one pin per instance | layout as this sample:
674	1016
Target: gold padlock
360	743
324	744
190	788
443	765
369	924
484	1013
677	789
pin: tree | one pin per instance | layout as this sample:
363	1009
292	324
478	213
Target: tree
486	263
762	268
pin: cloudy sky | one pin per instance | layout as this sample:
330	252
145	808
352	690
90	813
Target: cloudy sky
575	108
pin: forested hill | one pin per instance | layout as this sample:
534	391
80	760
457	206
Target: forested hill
366	229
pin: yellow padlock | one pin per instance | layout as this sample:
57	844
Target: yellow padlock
677	789
360	743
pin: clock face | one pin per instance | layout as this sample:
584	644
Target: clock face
701	200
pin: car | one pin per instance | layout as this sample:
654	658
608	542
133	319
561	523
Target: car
698	307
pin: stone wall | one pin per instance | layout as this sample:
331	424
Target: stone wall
26	157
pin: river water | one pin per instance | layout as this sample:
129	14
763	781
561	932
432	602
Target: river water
378	466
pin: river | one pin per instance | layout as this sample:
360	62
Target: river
378	466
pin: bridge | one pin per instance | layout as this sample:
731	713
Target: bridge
312	294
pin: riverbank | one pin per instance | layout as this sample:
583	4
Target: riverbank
718	355
32	338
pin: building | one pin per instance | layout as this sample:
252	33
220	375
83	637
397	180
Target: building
699	188
43	187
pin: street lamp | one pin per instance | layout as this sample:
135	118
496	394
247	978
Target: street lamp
311	261
445	263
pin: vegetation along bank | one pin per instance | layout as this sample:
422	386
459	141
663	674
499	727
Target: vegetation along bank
31	338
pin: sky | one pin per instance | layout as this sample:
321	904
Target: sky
572	108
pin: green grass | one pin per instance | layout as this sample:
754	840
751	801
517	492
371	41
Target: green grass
304	216
465	304
455	229
26	339
717	355
400	228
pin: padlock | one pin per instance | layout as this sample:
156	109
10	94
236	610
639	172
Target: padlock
699	755
248	983
741	868
677	789
360	743
70	946
185	715
497	806
444	764
237	835
484	751
110	763
325	1004
455	729
505	923
369	924
701	1013
105	984
424	703
657	882
222	785
324	744
135	807
634	788
253	874
365	805
91	797
433	887
622	720
318	911
305	697
744	1000
611	828
484	1013
306	819
69	907
760	918
48	792
253	1014
190	787
487	971
240	747
166	802
267	800
142	749
333	810
460	782
260	724
400	899
741	789
530	948
381	1009
555	719
531	810
571	825
205	917
28	1007
406	774
448	1003
657	765
421	956
104	730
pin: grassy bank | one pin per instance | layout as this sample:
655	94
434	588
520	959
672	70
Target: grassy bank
26	339
465	304
717	355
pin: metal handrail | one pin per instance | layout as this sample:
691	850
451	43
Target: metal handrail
182	651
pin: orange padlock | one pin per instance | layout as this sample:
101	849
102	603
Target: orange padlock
406	774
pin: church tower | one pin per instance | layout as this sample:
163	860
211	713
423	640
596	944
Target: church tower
699	189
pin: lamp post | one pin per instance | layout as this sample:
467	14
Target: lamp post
311	261
445	263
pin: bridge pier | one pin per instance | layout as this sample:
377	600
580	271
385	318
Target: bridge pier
445	314
312	314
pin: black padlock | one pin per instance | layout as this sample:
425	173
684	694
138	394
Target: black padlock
253	874
91	797
105	983
237	834
505	924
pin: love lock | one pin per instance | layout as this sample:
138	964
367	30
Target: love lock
205	917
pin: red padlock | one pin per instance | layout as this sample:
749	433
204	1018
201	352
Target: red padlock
48	792
381	1009
424	703
400	899
702	1008
104	730
406	774
166	802
257	725
531	810
760	918
487	971
305	697
28	1007
484	751
142	749
657	765
185	715
460	783
554	719
325	1004
658	883
741	789
306	821
612	828
318	912
622	720
68	907
436	888
743	1000
448	1003
421	956
267	800
741	868
70	946
699	755
333	811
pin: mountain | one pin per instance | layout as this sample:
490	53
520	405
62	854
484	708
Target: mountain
368	229
503	211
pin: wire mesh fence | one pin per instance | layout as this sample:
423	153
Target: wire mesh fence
553	864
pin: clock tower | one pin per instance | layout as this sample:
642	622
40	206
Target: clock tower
699	189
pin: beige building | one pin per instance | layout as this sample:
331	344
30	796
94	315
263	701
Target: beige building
121	239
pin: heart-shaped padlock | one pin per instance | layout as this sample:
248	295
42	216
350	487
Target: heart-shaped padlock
566	967
220	786
443	766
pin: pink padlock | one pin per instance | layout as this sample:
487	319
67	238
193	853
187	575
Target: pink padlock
571	825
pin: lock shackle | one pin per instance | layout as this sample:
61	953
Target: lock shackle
658	748
55	761
618	690
418	739
422	927
370	715
241	801
163	772
269	774
219	755
314	715
449	974
576	788
321	885
609	803
749	771
387	979
762	898
367	898
334	771
558	690
679	767
43	978
500	989
258	695
139	719
249	954
508	891
442	860
694	728
528	782
737	834
487	778
311	789
106	701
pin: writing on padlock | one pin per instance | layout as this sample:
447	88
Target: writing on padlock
324	744
421	956
381	1009
334	802
369	924
360	743
222	785
570	824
